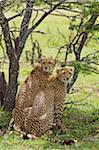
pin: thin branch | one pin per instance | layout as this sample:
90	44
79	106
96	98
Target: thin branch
82	42
67	9
40	32
44	16
33	50
15	16
3	49
67	49
58	13
35	16
24	26
77	37
78	101
6	32
96	52
33	53
91	22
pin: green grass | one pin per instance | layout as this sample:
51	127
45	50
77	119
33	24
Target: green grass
13	141
81	119
82	126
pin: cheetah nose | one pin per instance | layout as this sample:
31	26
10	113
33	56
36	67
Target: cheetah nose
46	68
67	78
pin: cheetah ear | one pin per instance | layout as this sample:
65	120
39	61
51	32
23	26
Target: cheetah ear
70	69
62	68
42	59
57	71
53	60
51	57
63	65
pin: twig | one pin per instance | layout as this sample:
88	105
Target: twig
90	55
40	32
33	50
3	49
15	16
44	16
35	17
77	101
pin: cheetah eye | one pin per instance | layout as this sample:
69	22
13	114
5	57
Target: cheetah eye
49	63
43	63
63	72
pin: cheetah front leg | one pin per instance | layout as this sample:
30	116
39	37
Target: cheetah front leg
58	114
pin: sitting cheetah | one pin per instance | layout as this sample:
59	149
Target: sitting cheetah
53	95
31	87
38	123
60	89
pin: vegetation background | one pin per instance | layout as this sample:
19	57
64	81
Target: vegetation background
81	108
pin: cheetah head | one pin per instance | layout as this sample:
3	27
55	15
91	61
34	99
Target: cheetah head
64	74
48	65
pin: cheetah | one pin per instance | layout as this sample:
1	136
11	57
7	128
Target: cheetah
60	90
32	86
53	95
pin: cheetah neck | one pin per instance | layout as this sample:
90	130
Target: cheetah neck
60	82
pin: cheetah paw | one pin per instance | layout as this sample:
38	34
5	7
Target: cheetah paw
30	136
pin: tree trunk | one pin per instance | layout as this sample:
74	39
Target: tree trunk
73	80
9	100
3	86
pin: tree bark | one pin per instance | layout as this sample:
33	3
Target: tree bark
10	93
9	99
3	87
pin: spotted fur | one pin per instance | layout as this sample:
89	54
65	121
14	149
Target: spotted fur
60	89
30	91
36	124
40	122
